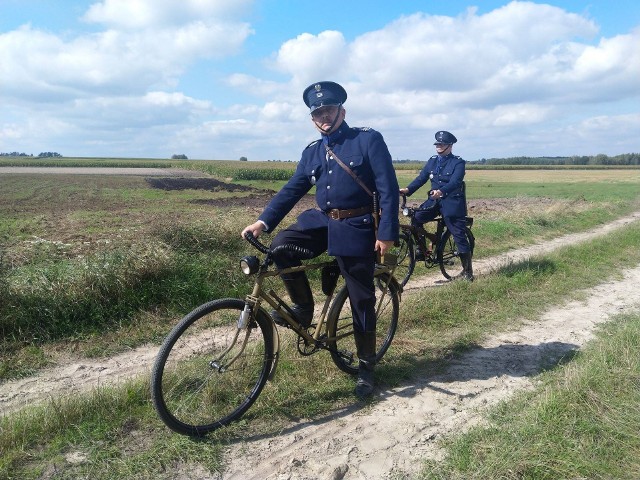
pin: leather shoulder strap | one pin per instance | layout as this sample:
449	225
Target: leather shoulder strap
350	172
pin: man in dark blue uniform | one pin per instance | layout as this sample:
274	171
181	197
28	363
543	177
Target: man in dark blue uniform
343	224
446	172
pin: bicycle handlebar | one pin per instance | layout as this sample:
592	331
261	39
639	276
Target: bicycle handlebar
404	207
301	252
257	244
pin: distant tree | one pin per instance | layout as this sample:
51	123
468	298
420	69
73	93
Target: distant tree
15	154
49	155
181	156
243	159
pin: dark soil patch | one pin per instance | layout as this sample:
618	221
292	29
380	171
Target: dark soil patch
211	184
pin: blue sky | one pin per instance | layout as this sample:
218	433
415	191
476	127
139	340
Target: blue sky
215	79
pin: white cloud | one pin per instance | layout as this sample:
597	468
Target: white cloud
429	52
51	68
309	58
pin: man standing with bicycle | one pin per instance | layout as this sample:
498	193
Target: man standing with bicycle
348	166
446	172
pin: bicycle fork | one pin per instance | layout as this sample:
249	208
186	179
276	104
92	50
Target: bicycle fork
242	325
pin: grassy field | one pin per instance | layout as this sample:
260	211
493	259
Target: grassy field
107	263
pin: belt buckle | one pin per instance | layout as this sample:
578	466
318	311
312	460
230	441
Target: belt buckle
334	214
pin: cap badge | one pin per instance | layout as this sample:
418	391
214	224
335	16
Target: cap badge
318	87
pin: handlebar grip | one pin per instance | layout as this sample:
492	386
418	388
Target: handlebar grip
249	237
300	252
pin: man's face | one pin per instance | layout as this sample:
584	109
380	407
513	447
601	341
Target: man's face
324	117
443	148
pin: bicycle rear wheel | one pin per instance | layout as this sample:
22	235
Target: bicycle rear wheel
448	256
208	372
340	325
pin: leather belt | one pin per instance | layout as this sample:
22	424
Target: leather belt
336	214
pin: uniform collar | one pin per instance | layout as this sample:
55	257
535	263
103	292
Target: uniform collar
335	136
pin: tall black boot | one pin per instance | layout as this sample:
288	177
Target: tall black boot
366	346
299	290
467	267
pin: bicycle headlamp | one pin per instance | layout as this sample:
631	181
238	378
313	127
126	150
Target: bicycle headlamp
249	265
405	211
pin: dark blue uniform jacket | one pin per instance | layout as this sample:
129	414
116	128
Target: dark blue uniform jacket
364	151
446	176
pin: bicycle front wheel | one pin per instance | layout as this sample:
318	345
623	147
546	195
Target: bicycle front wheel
405	252
340	324
448	256
208	371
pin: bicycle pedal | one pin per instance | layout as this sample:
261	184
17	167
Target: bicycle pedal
346	355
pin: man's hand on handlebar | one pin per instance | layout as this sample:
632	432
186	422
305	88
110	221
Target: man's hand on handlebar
255	228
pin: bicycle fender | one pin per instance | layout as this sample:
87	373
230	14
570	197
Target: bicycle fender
276	342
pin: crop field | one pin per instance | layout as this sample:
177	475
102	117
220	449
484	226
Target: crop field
95	265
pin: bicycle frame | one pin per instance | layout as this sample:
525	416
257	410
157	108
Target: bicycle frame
420	234
318	338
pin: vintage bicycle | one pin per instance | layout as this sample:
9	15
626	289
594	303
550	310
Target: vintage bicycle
216	361
435	243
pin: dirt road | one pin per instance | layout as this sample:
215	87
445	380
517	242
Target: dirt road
397	432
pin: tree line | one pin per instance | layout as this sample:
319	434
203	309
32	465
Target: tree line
600	159
40	155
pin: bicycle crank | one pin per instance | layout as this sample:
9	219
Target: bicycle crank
306	348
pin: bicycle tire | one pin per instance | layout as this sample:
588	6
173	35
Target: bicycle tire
340	323
448	256
194	397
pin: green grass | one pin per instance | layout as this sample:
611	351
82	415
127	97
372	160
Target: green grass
52	298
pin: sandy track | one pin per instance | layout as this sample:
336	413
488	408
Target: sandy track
399	430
